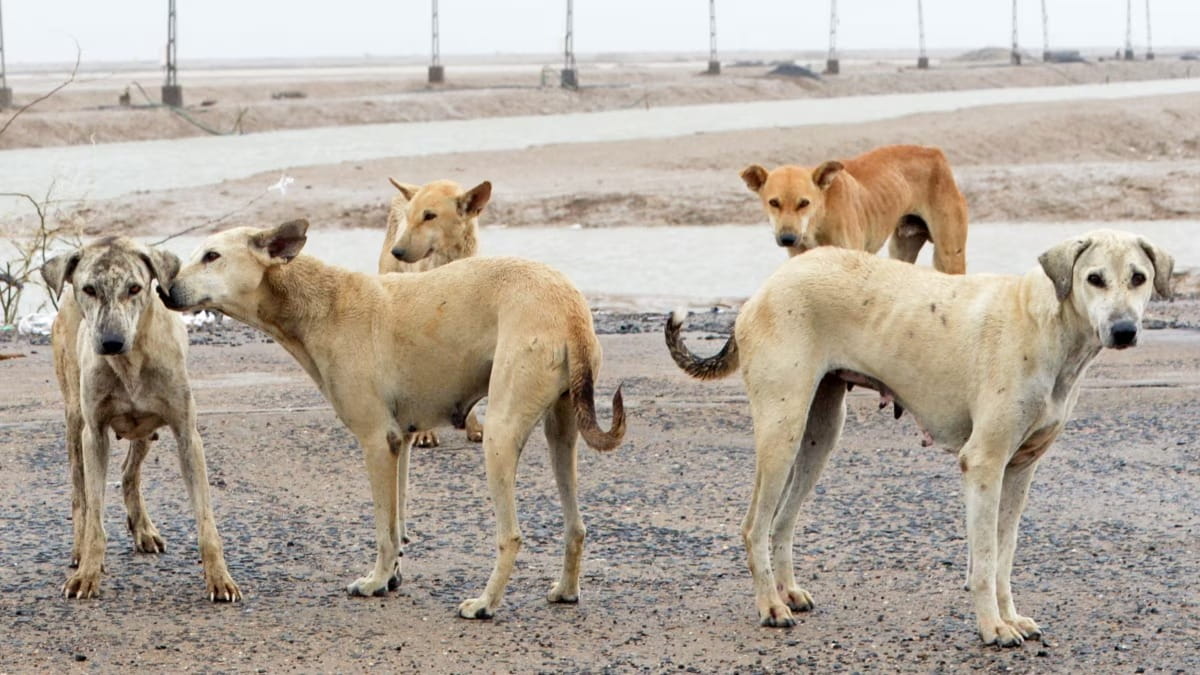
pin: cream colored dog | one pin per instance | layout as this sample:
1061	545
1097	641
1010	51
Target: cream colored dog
428	226
989	365
903	192
121	361
398	353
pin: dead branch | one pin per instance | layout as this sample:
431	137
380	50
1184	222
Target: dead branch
52	92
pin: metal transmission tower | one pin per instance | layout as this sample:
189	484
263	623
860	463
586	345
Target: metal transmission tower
1045	34
172	93
570	76
714	66
1015	57
1149	48
437	74
5	92
831	63
922	58
1128	30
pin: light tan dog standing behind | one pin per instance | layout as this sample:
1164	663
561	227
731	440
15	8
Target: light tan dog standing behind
904	195
397	353
121	362
428	226
989	365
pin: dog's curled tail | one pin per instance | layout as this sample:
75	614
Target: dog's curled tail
710	368
583	396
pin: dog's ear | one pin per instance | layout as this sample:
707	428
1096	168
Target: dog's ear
755	177
1163	263
471	203
59	270
1059	264
823	175
282	243
163	265
406	189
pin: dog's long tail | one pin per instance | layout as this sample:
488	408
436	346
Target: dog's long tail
710	368
579	359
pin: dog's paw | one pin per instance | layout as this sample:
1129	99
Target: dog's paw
146	538
564	595
797	599
1026	626
221	587
367	587
426	439
83	584
475	436
1001	634
776	616
475	608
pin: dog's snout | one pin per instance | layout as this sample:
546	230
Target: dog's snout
398	253
1124	334
112	344
787	239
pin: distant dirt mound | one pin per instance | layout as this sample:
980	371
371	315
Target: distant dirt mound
985	54
792	70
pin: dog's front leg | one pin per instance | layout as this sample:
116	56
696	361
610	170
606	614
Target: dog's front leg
85	582
146	538
1012	504
220	586
383	472
78	491
983	471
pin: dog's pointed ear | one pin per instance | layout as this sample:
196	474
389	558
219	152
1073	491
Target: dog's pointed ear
823	175
406	189
471	203
283	243
163	265
1059	264
754	176
59	270
1163	263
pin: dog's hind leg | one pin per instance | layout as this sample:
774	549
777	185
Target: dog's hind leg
1012	503
906	242
779	417
78	502
401	446
561	433
474	428
825	419
383	470
146	538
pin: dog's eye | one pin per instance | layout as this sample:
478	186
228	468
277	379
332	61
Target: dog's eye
803	203
210	256
430	215
1138	279
1095	280
89	291
774	203
135	289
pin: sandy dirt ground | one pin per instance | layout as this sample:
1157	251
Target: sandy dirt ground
1107	561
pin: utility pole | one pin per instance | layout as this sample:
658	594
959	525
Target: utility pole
714	66
1149	48
1045	34
831	62
437	74
1015	57
172	93
1128	30
922	58
5	92
570	76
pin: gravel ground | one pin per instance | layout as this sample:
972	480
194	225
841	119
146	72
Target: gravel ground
1107	563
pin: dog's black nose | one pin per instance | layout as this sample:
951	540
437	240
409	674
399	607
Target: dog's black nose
112	344
787	239
1124	333
398	253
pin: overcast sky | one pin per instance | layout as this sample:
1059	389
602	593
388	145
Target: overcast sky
40	30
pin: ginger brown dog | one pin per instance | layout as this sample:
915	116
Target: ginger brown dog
901	194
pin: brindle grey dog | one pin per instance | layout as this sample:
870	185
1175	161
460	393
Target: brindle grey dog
120	357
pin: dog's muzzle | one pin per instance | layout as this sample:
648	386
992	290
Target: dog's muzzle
1124	334
786	239
111	345
398	253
